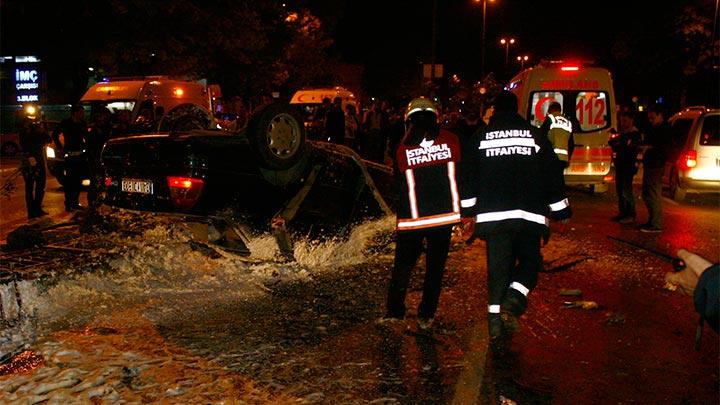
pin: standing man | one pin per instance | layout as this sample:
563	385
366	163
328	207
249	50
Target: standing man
468	126
98	133
511	188
71	136
558	130
625	150
375	125
33	139
335	122
428	207
658	141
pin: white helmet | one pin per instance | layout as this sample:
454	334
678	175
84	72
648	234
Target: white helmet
421	104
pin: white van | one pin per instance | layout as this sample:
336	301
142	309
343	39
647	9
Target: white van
694	166
587	96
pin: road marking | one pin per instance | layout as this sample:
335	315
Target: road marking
671	201
470	381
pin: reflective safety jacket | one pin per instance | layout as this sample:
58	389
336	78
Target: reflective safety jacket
510	178
559	136
428	190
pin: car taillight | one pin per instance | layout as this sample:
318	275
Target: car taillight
688	160
570	68
184	191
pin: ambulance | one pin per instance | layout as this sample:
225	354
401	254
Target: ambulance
152	102
587	97
310	100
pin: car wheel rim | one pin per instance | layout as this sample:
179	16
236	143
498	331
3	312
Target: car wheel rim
283	136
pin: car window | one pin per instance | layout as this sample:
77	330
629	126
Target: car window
591	108
681	129
710	132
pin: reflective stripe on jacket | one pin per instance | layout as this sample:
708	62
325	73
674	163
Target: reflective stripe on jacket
427	178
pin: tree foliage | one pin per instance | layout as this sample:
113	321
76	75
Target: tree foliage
248	46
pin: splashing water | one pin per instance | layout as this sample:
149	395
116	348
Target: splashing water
162	267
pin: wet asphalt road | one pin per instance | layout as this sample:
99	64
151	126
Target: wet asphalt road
313	339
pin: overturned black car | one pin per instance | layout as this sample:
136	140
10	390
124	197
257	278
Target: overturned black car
267	174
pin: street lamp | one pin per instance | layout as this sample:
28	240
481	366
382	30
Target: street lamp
507	43
522	59
482	45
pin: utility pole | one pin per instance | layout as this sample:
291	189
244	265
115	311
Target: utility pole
434	40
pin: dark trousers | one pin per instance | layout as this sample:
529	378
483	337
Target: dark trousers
624	187
511	256
652	195
34	178
408	248
75	169
97	177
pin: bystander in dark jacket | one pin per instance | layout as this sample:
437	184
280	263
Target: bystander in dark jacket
658	142
98	133
33	140
625	150
335	122
71	136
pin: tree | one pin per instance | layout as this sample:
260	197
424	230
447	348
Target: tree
247	46
679	44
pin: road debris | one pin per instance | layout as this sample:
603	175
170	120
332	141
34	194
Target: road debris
581	304
570	293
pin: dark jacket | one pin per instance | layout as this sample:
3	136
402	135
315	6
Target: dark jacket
335	124
659	141
510	181
625	150
33	139
74	134
428	190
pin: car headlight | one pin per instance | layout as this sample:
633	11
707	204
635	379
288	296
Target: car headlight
50	152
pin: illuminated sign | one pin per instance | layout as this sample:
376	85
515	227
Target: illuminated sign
27	83
570	85
25	98
27	59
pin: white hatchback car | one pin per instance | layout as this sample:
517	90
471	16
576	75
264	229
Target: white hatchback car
695	163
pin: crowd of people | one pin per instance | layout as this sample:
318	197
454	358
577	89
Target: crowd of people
372	133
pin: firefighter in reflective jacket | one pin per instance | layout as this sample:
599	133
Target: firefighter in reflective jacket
428	208
511	190
559	132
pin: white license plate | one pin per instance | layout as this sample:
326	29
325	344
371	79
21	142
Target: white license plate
136	186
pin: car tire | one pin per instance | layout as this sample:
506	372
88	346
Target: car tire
277	133
9	149
676	192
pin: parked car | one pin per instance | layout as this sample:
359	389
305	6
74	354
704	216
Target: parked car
694	166
9	144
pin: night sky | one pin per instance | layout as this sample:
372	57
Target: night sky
395	33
